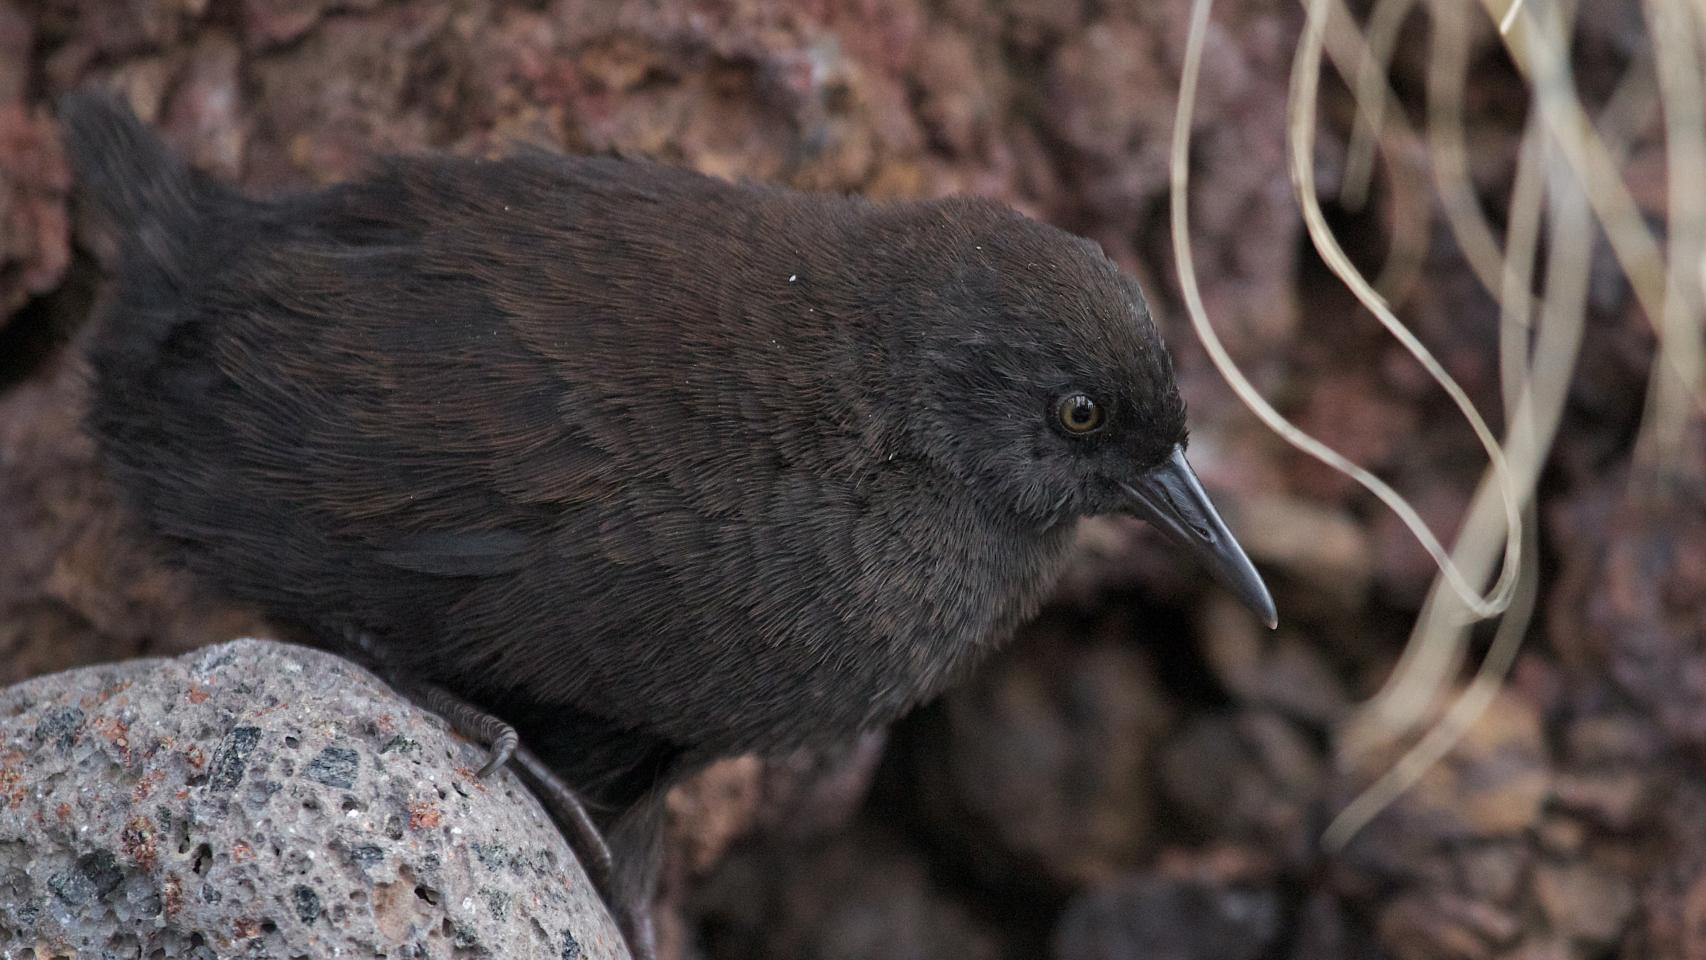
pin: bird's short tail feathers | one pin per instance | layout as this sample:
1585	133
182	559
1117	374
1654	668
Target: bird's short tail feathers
137	185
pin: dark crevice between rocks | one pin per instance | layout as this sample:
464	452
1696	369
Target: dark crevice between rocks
46	324
1179	665
1025	904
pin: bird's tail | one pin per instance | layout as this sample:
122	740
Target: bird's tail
138	187
161	215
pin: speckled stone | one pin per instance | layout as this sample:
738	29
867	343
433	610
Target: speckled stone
257	799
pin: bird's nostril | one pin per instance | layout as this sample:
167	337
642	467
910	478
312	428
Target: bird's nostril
1204	533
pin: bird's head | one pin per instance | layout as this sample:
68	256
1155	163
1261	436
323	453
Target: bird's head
1038	379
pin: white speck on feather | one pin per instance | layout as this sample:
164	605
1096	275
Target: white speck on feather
792	277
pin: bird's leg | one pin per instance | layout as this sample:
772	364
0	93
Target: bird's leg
632	911
630	908
565	807
629	902
633	915
558	798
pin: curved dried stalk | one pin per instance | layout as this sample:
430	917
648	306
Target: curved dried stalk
1383	121
1677	373
1448	71
1632	243
1509	19
1566	167
1372	97
1436	649
1545	386
1535	393
1306	68
1499	597
1425	667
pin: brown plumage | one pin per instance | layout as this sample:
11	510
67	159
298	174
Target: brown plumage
657	467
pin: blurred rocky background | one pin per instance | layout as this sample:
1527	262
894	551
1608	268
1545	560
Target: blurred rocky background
1146	772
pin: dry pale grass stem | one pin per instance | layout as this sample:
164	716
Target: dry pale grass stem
1567	189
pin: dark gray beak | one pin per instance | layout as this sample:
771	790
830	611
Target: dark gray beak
1173	501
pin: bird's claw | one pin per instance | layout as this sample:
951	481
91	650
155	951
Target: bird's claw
500	738
499	751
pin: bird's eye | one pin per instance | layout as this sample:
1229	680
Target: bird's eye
1079	414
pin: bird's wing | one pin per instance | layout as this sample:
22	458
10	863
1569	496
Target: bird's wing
418	425
458	553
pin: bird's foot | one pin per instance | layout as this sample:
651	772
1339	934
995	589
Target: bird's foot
561	803
500	738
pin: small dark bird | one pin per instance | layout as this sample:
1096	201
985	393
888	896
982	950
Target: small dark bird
655	467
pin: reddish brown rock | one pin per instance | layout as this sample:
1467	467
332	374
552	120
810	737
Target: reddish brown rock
17	53
35	234
205	115
1585	902
793	799
1583	786
1441	925
272	23
1649	607
1281	670
1248	777
1441	868
1672	921
862	895
76	586
1044	768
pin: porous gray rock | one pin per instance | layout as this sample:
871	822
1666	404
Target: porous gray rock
265	800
